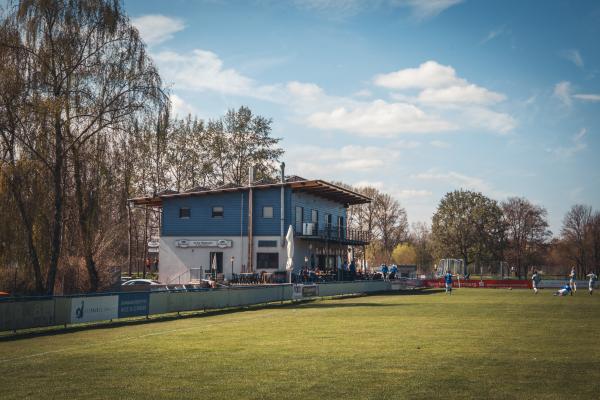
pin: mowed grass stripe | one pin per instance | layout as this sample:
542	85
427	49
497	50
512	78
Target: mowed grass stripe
477	343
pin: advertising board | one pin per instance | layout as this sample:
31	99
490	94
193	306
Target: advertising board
305	291
98	308
133	304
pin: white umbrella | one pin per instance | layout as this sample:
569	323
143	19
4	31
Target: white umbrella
214	265
290	249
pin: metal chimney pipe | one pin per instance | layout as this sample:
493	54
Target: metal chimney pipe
250	224
282	205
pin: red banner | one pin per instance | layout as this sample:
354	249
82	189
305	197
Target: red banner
486	283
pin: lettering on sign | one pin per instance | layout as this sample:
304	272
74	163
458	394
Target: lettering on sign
221	243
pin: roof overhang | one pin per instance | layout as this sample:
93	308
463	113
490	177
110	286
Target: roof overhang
315	187
330	191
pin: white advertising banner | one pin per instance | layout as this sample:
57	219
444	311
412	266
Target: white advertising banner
88	309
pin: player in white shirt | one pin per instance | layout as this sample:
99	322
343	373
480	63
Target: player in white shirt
593	278
572	283
535	281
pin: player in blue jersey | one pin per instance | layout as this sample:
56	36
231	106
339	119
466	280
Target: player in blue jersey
448	281
565	290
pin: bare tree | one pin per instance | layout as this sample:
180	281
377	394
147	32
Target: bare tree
391	225
575	226
527	233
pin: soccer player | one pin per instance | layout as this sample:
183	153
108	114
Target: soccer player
564	291
384	271
448	280
572	283
535	281
593	277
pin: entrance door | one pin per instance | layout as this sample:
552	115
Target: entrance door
299	219
219	257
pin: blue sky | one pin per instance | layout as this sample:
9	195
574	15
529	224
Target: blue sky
417	98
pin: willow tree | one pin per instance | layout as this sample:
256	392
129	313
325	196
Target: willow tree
78	69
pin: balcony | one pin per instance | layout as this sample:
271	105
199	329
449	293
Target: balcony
336	233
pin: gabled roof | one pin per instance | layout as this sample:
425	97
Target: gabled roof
316	187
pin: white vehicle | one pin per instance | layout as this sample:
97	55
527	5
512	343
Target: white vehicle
141	282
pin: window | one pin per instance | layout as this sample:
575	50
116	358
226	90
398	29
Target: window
268	212
217	212
328	219
267	260
184	213
267	243
299	219
315	216
216	257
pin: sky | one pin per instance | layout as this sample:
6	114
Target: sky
416	98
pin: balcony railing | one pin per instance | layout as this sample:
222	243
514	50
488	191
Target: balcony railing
331	232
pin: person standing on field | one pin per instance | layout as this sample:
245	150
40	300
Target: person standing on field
384	271
535	281
572	283
448	281
593	278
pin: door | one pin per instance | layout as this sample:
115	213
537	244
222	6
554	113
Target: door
340	229
219	257
299	219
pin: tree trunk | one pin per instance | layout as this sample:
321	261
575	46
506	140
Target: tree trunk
56	239
84	212
33	255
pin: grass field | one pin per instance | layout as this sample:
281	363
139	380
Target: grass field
477	343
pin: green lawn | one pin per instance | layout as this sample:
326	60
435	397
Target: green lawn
477	343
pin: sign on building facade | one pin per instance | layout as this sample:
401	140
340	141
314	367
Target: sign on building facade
221	243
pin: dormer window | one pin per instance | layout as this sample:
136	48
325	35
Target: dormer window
184	213
217	212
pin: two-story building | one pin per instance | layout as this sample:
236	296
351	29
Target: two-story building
242	229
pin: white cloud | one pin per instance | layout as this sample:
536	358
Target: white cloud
308	91
350	159
457	180
379	119
446	103
574	56
412	193
479	117
419	9
457	95
180	107
425	9
562	91
493	34
577	145
587	97
157	28
374	184
202	70
430	74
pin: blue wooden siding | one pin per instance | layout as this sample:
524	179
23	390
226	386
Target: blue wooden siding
201	222
310	202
